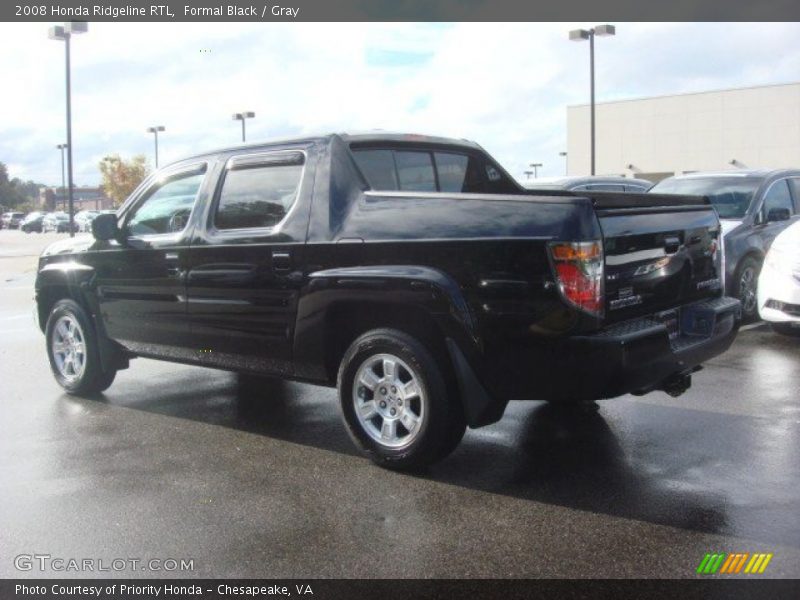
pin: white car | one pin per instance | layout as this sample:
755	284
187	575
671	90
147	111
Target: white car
779	283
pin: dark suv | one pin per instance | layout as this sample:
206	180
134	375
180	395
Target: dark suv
754	206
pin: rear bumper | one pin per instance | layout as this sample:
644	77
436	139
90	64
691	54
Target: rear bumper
635	356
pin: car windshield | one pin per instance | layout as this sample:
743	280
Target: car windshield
731	196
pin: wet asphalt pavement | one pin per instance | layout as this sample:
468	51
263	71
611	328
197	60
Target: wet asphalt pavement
180	462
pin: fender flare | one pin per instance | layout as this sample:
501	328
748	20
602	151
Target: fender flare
422	288
80	282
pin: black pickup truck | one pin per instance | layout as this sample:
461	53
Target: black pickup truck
412	272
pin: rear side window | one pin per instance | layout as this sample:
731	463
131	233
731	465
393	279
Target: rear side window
429	171
258	190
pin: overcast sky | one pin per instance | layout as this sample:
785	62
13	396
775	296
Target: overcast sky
505	86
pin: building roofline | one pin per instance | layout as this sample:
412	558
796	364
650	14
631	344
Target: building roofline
715	91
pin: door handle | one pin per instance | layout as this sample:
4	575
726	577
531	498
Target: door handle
173	265
281	261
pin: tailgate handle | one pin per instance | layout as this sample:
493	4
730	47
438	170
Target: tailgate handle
671	244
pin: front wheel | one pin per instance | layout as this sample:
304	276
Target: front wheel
74	352
396	401
746	287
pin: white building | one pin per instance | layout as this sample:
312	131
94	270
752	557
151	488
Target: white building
652	138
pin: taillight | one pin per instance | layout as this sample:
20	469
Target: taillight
579	273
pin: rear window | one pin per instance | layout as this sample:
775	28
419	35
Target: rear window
429	171
731	196
415	171
452	169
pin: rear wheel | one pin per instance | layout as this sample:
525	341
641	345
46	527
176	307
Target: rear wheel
746	287
73	350
396	401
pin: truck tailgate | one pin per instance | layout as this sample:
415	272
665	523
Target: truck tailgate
660	252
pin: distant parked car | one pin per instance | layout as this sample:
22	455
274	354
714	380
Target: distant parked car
12	220
33	222
83	220
779	283
754	206
591	184
49	222
57	222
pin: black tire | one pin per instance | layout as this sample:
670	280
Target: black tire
443	424
747	292
786	329
92	379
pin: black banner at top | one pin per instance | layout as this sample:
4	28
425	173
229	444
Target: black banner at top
398	10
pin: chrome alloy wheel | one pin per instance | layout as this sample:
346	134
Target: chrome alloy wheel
69	348
389	401
747	289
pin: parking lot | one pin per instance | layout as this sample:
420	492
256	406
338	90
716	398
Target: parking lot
178	462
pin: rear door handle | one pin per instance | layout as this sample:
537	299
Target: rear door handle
173	268
281	261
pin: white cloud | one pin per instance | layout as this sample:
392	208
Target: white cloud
505	85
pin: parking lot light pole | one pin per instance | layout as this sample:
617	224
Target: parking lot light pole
64	33
579	35
63	147
528	174
535	167
243	116
154	130
566	164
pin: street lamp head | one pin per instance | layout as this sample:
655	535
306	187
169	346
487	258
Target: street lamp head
605	30
249	115
61	146
155	129
536	164
578	35
243	115
562	153
76	27
56	33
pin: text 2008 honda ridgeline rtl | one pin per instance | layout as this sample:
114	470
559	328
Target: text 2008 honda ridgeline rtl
411	272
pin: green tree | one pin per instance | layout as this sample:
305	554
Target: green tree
10	194
120	176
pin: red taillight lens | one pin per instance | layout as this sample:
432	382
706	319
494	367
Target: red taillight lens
579	273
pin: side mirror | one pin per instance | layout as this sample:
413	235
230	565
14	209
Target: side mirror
778	214
104	227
